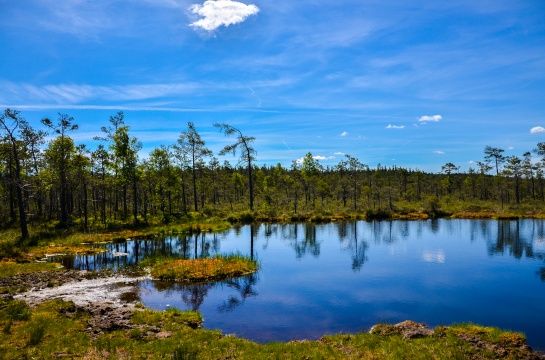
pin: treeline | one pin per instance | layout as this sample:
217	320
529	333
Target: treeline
72	185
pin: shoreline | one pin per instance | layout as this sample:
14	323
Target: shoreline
100	296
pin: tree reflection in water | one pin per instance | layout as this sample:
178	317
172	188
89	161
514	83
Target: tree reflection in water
192	295
244	287
511	238
348	235
516	238
358	250
541	273
308	245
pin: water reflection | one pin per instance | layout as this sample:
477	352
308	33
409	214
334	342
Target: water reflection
131	252
308	244
245	288
517	238
346	276
193	295
434	256
348	236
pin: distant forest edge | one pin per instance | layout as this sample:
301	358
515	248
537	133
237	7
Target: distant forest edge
66	183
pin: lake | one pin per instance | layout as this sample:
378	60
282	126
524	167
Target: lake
347	276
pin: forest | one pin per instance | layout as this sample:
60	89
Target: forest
61	182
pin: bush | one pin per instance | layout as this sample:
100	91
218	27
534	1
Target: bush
243	217
379	214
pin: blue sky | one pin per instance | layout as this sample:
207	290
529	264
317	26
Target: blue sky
415	84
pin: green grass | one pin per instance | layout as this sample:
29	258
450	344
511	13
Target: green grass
55	330
165	319
199	270
11	268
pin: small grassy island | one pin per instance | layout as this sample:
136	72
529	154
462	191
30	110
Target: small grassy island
200	270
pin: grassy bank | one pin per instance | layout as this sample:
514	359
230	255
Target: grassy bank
58	329
12	268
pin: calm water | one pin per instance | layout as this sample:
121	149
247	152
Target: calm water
346	277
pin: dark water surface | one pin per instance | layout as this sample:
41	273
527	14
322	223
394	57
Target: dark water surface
346	277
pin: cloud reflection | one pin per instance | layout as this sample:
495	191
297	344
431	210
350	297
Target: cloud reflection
437	256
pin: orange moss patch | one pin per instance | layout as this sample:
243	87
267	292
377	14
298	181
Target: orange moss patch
410	216
73	250
473	215
508	216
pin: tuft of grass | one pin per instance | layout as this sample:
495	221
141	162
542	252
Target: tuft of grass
36	330
7	328
200	270
170	317
184	352
14	310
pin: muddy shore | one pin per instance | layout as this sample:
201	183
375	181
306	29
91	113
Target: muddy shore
99	294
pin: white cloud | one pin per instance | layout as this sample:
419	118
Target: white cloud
390	126
511	148
344	133
439	152
317	157
216	13
339	153
434	118
537	129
